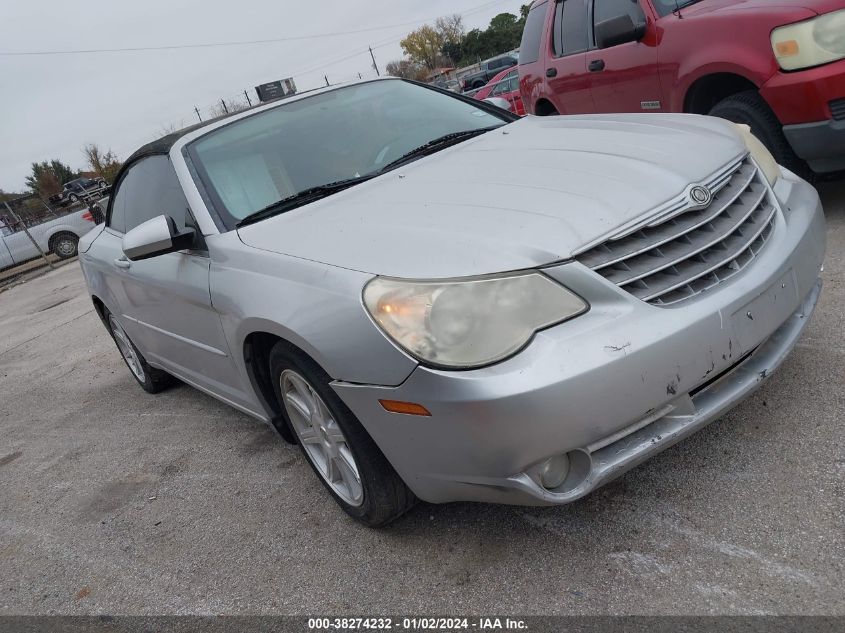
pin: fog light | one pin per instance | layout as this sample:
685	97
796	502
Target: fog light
553	471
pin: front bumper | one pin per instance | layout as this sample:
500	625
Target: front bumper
801	100
610	388
821	144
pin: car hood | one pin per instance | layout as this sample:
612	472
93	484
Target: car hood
531	193
812	6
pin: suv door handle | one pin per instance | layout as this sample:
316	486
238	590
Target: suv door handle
551	72
596	65
122	263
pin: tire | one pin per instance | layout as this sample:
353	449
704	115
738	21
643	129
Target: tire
73	198
152	380
65	245
378	495
750	108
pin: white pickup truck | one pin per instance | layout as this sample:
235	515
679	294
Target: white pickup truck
59	236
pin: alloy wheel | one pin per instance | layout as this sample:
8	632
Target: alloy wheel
321	437
126	348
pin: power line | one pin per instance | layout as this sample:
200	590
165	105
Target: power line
291	38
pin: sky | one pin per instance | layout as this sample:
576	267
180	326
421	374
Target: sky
52	105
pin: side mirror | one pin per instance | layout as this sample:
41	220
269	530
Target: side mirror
619	30
155	237
504	104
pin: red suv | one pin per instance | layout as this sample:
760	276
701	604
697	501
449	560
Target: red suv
777	66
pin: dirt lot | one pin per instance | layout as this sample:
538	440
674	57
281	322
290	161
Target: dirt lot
114	501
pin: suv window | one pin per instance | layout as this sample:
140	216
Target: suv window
571	29
150	188
606	9
529	49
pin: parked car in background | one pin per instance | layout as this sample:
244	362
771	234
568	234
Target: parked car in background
488	70
59	236
505	85
350	266
79	189
452	85
778	67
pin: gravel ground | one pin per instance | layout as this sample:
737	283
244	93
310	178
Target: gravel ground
117	502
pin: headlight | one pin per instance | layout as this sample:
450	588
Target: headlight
760	153
810	43
470	322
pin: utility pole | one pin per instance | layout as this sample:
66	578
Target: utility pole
375	65
225	109
197	110
248	100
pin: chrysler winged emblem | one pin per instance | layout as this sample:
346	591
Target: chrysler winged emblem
700	196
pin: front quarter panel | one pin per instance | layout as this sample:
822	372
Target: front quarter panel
315	306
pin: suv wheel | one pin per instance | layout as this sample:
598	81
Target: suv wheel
341	452
750	108
152	380
65	245
73	197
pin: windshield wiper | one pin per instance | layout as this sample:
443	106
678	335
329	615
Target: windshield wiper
303	197
436	145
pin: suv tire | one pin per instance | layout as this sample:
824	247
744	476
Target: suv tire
750	108
338	448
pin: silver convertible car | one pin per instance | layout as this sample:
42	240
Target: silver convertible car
438	300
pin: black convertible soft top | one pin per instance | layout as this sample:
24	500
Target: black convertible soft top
162	145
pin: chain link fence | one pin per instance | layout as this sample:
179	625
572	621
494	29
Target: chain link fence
35	234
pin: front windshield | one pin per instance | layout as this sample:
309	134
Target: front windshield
345	133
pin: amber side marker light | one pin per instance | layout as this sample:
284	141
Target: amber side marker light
788	48
406	408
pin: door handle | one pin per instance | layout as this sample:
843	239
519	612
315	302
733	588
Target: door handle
551	72
122	263
596	65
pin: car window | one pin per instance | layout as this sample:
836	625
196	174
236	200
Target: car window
324	138
529	49
150	188
509	83
571	28
607	9
493	65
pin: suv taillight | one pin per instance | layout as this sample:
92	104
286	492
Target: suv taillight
87	216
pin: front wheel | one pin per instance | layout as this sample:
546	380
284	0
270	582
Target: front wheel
339	450
750	108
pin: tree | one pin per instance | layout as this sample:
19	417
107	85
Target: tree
423	46
105	165
5	196
406	69
450	28
523	12
48	177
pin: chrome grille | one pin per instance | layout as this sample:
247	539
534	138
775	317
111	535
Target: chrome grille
676	259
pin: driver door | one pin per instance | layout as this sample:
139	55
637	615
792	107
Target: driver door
164	302
624	78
